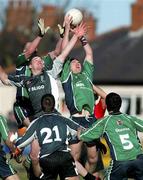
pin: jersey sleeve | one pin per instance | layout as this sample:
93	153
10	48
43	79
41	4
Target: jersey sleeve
66	71
73	125
88	69
28	136
21	60
3	128
17	80
48	62
138	123
94	132
56	69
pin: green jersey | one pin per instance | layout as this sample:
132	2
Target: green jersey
120	132
78	88
3	128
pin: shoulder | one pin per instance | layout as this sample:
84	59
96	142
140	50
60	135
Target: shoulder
86	62
128	116
20	68
104	121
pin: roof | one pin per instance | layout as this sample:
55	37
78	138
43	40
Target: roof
118	57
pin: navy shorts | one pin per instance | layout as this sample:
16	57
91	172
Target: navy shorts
119	170
5	168
59	163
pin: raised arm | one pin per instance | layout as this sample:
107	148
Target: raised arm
34	44
58	63
78	32
66	24
31	47
87	49
53	54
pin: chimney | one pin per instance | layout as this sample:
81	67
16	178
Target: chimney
91	25
52	15
137	15
19	16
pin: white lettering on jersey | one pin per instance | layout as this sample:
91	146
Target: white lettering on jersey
35	88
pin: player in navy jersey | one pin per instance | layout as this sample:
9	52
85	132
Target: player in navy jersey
22	107
52	131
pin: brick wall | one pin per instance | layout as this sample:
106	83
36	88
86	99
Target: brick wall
19	15
91	25
52	15
137	15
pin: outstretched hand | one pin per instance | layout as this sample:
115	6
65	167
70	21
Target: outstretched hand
80	30
67	21
42	29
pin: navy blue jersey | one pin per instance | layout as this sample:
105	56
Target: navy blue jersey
24	70
39	85
36	86
52	132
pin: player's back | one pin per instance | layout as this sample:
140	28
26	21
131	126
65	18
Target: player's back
121	136
52	134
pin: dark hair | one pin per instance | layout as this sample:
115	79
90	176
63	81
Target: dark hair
71	59
48	103
113	102
34	54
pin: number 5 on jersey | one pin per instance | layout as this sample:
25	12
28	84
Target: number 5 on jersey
127	144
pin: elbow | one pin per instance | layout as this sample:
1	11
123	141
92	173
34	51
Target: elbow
90	54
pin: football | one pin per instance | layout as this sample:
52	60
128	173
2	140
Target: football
76	15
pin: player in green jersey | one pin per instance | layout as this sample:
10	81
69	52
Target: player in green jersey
120	132
79	96
6	171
